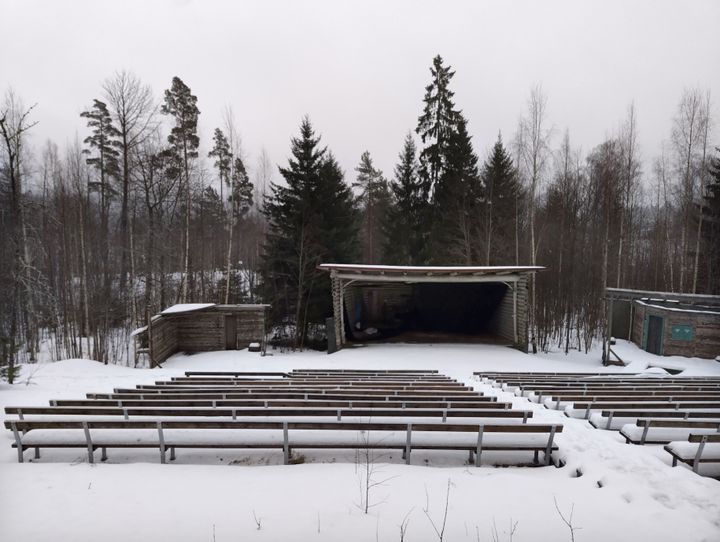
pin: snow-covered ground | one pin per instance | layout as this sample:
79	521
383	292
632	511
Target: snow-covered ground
617	491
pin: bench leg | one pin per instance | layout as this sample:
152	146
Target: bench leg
18	441
471	459
103	454
37	452
286	444
90	447
172	453
674	461
536	457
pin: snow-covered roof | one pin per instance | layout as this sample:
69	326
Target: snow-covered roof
428	273
187	307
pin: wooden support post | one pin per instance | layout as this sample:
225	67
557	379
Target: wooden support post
103	453
172	453
408	444
90	447
18	441
478	449
698	455
286	444
37	452
548	449
536	458
161	440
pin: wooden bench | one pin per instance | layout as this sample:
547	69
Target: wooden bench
91	434
244	394
480	402
638	433
609	415
695	451
645	405
269	412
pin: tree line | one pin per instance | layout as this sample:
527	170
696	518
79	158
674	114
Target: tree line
108	231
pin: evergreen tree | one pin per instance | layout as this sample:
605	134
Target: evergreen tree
103	146
456	202
241	193
436	125
311	219
223	158
405	237
181	104
103	151
374	199
712	216
502	191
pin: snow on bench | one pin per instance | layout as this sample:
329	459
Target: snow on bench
662	431
94	434
696	451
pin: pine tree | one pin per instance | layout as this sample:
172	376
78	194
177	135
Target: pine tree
311	219
436	125
374	199
103	151
223	158
502	191
405	238
181	104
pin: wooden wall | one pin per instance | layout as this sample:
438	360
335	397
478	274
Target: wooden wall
163	340
705	344
204	330
200	331
502	323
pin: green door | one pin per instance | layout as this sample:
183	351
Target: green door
655	334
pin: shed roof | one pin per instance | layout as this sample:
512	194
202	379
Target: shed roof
413	273
187	307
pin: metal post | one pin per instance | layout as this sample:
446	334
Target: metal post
548	449
90	447
37	452
408	445
698	455
286	444
18	442
103	454
610	419
172	453
645	432
161	439
478	449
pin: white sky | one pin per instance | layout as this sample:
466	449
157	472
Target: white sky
359	68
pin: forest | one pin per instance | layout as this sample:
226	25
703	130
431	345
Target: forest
101	234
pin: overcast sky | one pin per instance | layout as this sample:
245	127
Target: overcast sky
359	68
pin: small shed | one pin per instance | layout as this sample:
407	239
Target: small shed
430	303
666	323
201	327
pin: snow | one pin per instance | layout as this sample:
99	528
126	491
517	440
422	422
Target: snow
619	491
187	307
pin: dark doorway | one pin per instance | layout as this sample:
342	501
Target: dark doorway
655	333
230	332
422	312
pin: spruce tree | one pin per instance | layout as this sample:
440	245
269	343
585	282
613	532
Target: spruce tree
456	202
311	219
499	219
374	199
405	236
712	216
436	125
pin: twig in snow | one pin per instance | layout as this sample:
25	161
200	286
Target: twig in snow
258	521
441	531
568	521
404	524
